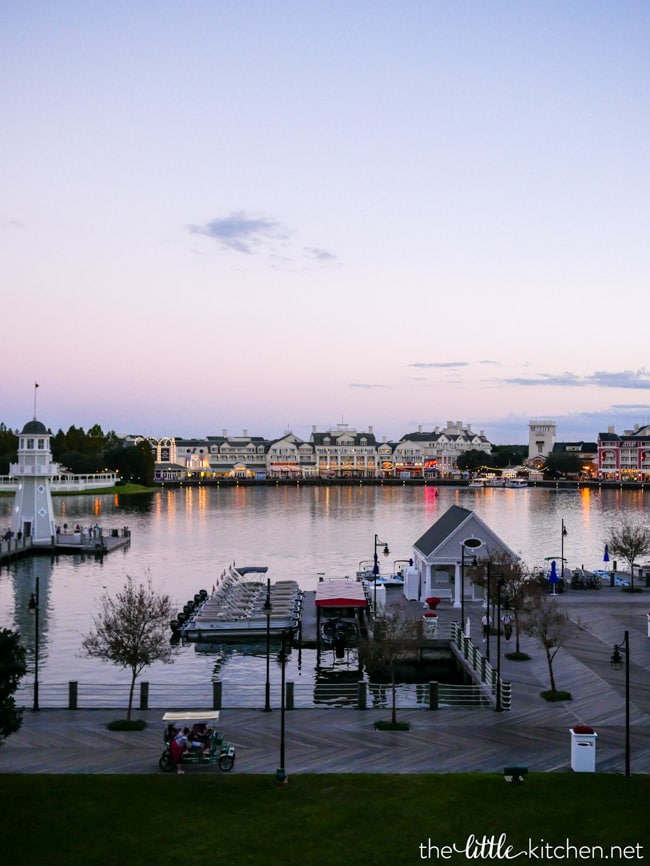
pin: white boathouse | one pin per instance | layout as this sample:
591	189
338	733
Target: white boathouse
444	557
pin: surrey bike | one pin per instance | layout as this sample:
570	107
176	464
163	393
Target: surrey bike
205	745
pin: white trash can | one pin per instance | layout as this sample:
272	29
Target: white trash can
429	625
583	749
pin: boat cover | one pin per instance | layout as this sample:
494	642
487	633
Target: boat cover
340	593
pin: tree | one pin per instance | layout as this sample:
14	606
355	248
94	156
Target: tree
8	448
629	540
563	463
515	591
508	455
472	459
12	669
132	630
391	644
145	463
550	626
134	462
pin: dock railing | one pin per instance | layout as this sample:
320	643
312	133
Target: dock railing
14	547
482	671
359	695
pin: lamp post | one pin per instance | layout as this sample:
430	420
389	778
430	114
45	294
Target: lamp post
281	773
267	610
472	543
33	609
462	587
375	568
499	585
616	663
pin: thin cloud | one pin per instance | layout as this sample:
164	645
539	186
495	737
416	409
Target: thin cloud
242	233
366	385
625	379
260	235
318	254
599	379
426	365
547	379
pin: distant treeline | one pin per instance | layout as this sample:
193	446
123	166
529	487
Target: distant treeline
85	452
559	464
501	457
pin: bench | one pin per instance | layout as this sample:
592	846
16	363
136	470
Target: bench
515	774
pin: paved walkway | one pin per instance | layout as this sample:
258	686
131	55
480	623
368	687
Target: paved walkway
534	733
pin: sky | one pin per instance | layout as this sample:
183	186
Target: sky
273	216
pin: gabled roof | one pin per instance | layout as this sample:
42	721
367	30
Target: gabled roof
443	541
575	447
445	526
346	437
446	435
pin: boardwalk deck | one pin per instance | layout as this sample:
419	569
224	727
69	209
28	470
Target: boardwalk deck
534	733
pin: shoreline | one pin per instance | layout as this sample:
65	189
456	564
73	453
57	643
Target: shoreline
396	482
342	482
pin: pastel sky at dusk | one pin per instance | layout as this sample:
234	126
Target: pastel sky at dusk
273	215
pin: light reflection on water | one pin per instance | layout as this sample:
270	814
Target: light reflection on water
185	538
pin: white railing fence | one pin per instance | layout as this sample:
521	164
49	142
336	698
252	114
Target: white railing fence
217	695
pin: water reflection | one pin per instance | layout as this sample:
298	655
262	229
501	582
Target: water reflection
21	619
184	537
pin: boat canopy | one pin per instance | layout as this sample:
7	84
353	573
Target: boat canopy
340	593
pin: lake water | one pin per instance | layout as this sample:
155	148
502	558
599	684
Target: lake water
184	538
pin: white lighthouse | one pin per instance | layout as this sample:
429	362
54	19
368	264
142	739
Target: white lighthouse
33	514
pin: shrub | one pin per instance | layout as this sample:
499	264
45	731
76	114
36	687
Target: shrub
392	726
127	725
556	695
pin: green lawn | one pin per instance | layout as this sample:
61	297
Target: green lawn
315	820
122	489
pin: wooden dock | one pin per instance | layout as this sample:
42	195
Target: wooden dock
94	542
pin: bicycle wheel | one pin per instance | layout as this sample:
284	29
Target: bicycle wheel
166	763
226	762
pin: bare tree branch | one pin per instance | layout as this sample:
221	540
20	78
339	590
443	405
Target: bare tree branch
132	630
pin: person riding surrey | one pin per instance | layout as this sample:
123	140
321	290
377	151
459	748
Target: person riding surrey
177	746
200	736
